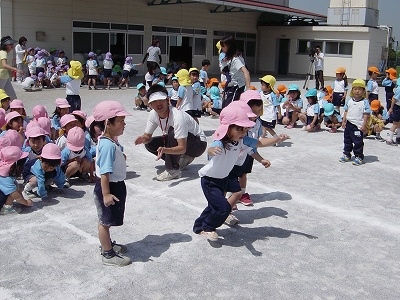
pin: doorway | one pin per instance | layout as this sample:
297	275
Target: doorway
283	56
181	50
117	47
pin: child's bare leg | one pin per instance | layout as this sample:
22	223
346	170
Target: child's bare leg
104	237
72	168
84	166
234	198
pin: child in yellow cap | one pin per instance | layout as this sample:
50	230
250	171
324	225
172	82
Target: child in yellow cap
356	113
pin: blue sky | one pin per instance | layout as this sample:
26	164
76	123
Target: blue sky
388	11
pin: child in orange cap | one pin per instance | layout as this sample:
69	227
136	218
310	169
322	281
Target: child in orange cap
280	94
394	112
389	83
375	123
340	87
372	85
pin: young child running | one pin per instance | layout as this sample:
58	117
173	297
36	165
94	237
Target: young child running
356	113
230	138
110	190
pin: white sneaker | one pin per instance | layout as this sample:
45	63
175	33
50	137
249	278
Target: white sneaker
28	194
304	128
231	220
184	161
168	175
212	236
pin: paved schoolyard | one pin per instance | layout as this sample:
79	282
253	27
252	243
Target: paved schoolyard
319	229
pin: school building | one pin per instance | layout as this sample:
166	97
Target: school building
274	38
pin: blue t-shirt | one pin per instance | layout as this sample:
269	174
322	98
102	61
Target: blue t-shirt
7	185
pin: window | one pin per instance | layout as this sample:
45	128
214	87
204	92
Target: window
118	26
346	48
101	41
200	46
250	49
163	42
135	44
101	25
215	49
82	42
82	24
341	48
302	47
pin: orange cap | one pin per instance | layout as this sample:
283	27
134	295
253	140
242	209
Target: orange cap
375	105
340	70
252	87
329	89
281	89
373	69
211	81
392	73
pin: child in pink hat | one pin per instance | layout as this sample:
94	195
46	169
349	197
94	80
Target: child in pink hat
36	137
14	121
62	108
67	122
43	171
93	133
2	118
39	111
75	157
80	117
110	190
230	143
18	106
12	160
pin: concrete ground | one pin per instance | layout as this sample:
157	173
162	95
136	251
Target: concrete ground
319	229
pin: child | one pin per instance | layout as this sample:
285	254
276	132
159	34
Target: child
394	112
30	60
36	140
230	138
92	71
30	84
173	92
18	106
80	117
62	108
389	83
280	94
203	78
332	118
270	102
340	87
72	85
107	66
215	95
12	160
4	101
372	85
324	97
40	63
43	171
161	77
196	88
356	113
128	66
39	111
75	158
61	60
310	117
141	99
91	140
67	122
293	106
375	123
110	190
185	92
14	121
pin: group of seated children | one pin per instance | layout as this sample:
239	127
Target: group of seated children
44	152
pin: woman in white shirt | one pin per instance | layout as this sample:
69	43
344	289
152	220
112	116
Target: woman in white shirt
153	54
20	52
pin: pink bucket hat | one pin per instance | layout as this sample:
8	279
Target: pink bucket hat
76	139
109	109
8	156
89	121
248	95
42	122
79	113
232	115
65	119
62	103
35	131
12	115
39	111
245	107
16	103
14	137
4	142
2	117
51	151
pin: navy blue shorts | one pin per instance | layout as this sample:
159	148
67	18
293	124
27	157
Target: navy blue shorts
395	116
216	110
125	74
310	119
269	124
112	215
107	73
247	166
233	185
173	102
337	99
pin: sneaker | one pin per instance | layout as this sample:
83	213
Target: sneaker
235	207
290	126
118	248
169	175
390	143
117	260
67	184
245	200
378	137
108	88
10	210
357	161
184	161
28	194
344	158
89	88
231	220
212	236
304	128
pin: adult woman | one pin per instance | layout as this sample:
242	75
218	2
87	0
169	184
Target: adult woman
238	77
152	53
7	44
182	139
20	51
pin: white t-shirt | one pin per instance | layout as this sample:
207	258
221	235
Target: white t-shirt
356	110
19	53
338	86
319	62
27	83
186	93
108	64
237	76
179	120
270	106
153	52
72	87
110	159
92	66
148	78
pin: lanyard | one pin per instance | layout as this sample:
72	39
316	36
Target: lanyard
165	129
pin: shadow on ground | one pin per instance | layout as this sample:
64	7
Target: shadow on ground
281	196
249	216
155	245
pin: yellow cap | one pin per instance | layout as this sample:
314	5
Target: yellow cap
183	77
193	70
3	94
218	45
270	80
358	83
75	71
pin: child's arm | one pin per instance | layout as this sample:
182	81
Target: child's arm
108	199
265	142
344	120
214	151
365	120
143	139
314	121
266	163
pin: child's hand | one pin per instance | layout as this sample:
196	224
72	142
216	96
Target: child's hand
363	129
28	202
283	137
266	163
344	124
109	199
214	151
140	140
160	152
